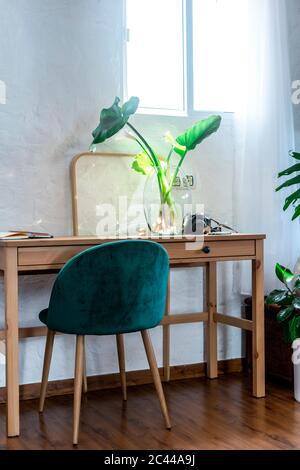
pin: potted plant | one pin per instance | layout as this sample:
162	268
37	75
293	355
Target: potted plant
294	198
149	163
289	315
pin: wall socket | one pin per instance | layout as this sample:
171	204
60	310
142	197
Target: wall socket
187	181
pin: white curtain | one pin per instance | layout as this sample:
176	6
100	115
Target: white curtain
265	135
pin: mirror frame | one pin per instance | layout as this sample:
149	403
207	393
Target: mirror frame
74	192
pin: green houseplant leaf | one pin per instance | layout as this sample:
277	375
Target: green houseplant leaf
288	300
289	171
193	137
113	119
296	213
196	134
295	155
292	329
297	282
285	314
289	316
296	303
295	181
284	274
279	297
130	107
288	183
179	149
142	164
291	199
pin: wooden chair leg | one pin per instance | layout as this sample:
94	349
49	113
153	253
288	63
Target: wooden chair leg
84	382
156	377
78	386
121	356
167	338
212	326
46	368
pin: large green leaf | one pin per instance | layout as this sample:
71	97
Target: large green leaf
292	329
130	106
285	314
113	119
284	274
196	134
291	199
297	282
291	182
142	164
179	149
296	303
296	213
289	170
278	296
295	155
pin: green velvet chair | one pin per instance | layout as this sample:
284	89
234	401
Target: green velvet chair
110	289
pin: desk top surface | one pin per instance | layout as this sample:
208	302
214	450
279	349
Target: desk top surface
79	240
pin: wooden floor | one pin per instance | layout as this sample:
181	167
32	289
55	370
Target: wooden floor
205	414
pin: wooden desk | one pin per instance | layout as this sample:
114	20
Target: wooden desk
48	255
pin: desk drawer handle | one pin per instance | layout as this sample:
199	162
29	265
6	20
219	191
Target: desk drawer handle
206	250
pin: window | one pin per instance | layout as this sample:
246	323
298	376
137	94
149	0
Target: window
155	53
184	56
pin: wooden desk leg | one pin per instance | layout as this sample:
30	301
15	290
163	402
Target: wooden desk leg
211	338
12	341
166	340
258	334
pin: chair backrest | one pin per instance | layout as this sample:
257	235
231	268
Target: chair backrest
113	288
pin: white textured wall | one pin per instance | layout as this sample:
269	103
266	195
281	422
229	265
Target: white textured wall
61	61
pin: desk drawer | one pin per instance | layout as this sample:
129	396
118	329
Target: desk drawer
59	255
211	249
47	256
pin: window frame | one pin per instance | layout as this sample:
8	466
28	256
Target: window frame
188	69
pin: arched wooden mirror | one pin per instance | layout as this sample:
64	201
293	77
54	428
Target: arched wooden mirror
107	195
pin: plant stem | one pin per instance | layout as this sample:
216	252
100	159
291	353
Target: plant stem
164	187
155	159
144	149
159	171
150	157
170	154
176	173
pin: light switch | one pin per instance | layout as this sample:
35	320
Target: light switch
184	182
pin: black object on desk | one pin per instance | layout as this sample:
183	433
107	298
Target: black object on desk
199	224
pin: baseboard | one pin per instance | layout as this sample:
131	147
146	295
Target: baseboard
140	377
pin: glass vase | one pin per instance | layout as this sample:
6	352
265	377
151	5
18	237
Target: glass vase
165	212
